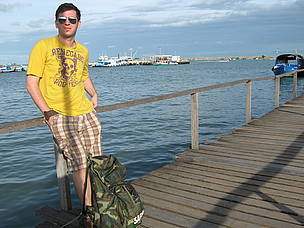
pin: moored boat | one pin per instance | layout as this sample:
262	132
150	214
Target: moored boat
158	60
287	63
6	69
105	61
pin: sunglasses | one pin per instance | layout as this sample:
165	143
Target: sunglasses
62	20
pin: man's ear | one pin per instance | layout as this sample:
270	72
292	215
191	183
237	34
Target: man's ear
79	24
56	24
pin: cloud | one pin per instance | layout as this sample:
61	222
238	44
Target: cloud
8	7
196	27
5	7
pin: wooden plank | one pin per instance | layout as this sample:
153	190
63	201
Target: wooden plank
269	148
243	153
252	164
46	225
250	151
154	222
288	122
281	138
282	114
268	131
240	163
250	127
243	172
171	217
293	105
284	158
246	184
57	217
201	217
222	169
198	174
275	125
228	209
275	119
258	141
201	179
212	197
214	187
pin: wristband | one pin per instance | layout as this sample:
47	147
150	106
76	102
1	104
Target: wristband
48	114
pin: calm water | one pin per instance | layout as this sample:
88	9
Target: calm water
144	137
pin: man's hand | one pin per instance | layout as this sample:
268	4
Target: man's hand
89	87
94	100
51	120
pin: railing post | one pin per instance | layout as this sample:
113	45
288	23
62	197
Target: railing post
248	101
63	180
277	92
295	85
194	121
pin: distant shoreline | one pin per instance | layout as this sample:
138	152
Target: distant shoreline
263	57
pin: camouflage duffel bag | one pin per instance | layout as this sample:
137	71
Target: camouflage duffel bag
116	203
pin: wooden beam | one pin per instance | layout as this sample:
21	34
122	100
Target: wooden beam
295	85
25	124
248	101
277	92
194	121
63	179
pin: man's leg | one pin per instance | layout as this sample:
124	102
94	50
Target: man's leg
75	144
91	142
79	178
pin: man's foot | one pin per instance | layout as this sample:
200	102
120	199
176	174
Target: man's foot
87	219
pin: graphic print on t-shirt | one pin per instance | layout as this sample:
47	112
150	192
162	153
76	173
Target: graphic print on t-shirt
68	62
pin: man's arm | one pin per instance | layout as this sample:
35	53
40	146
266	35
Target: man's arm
89	87
32	86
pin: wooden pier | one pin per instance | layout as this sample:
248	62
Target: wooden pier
253	177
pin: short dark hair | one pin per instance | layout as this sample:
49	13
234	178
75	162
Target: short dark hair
65	7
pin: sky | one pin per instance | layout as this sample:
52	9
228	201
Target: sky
188	28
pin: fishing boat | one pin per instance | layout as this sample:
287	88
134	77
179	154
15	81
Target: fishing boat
6	69
287	63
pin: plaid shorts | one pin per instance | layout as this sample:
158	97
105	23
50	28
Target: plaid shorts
76	136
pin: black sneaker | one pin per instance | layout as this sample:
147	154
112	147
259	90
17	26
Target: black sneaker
87	219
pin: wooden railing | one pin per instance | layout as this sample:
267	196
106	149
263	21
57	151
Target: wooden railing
61	169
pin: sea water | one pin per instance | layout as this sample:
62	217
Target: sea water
143	137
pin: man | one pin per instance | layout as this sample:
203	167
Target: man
58	80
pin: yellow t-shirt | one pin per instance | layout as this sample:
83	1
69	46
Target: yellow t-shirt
62	70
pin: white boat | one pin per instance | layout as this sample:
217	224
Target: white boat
105	61
164	62
158	60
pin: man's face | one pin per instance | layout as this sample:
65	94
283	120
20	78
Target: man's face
64	24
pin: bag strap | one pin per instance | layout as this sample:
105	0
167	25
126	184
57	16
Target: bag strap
85	189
